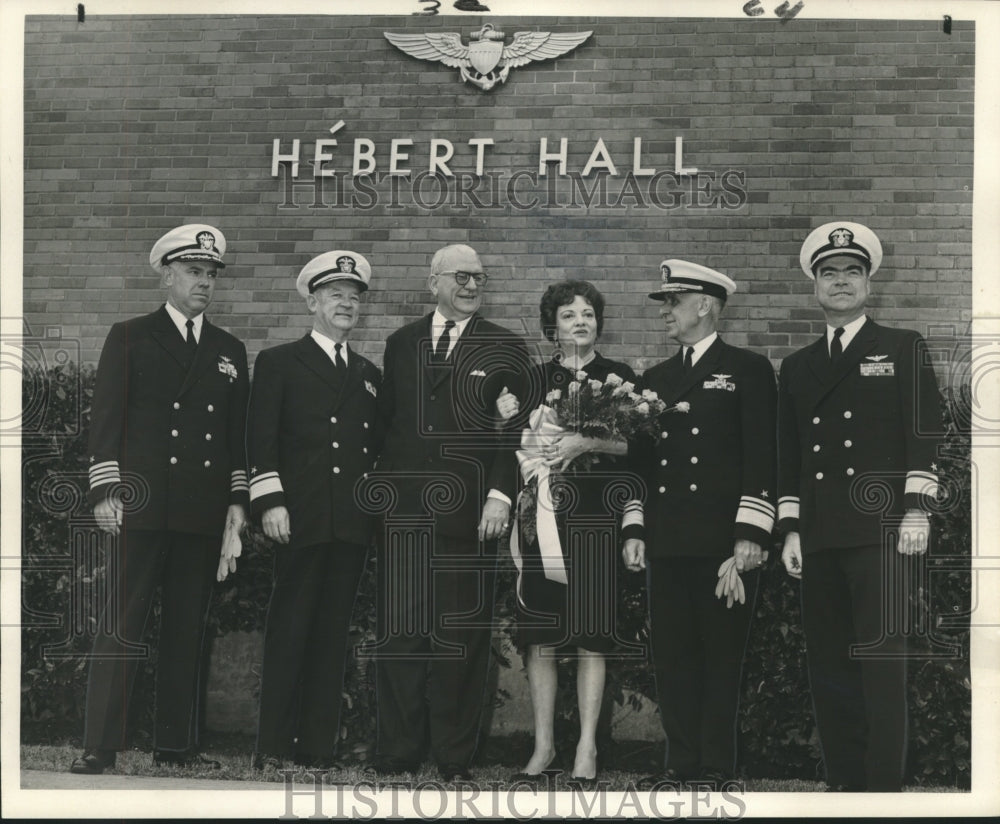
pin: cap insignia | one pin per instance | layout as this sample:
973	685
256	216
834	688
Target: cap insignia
841	237
346	264
206	240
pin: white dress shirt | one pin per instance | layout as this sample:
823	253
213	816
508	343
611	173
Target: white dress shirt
699	348
850	330
180	321
327	345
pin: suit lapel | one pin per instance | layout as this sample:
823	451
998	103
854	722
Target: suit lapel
205	355
706	363
863	343
313	357
353	378
166	334
436	375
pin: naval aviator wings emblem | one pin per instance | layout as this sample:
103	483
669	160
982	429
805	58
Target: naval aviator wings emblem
486	60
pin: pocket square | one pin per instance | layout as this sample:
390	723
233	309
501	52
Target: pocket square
371	388
477	373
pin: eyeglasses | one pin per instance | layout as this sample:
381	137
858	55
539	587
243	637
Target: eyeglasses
462	278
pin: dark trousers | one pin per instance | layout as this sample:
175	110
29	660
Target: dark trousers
185	566
698	646
305	648
435	609
853	600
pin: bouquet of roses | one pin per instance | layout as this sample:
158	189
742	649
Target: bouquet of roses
607	410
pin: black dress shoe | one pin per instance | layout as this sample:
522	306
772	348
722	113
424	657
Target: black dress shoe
186	758
265	762
666	780
319	762
454	772
710	779
93	762
545	777
390	766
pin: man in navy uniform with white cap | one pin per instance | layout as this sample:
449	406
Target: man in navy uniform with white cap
707	519
310	438
168	479
452	471
858	412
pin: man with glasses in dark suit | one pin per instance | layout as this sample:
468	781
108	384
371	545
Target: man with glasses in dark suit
453	475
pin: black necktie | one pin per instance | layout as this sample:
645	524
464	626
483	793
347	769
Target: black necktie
192	343
441	349
836	349
338	357
688	352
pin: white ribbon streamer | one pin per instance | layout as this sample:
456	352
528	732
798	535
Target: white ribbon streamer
541	432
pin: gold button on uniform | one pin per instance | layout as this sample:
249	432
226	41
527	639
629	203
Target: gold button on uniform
663	462
848	443
336	470
173	433
850	470
815	420
211	408
694	459
208	436
335	445
694	431
819	476
663	434
693	487
173	460
663	489
207	464
816	447
176	405
847	414
333	420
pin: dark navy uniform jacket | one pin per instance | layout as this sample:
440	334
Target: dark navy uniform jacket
167	432
858	441
710	472
443	451
310	438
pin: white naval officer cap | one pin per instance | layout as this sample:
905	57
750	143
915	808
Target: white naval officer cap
684	276
193	241
842	237
339	264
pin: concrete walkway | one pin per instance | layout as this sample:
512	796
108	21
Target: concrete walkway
44	780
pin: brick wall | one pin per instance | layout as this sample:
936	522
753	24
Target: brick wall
135	124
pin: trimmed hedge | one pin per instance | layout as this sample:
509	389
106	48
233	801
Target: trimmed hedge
62	571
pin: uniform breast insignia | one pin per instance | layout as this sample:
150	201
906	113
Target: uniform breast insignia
876	368
720	382
486	60
371	388
226	367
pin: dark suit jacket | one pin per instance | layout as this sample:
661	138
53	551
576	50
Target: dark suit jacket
443	452
179	427
310	438
710	475
857	443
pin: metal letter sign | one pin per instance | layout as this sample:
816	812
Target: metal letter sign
486	61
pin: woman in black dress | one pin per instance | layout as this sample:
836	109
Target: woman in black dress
556	618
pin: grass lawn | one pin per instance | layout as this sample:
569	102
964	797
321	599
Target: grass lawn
233	752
